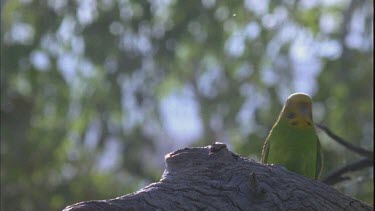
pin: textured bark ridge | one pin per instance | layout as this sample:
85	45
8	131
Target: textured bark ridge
214	178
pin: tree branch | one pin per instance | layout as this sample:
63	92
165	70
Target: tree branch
366	153
337	175
214	178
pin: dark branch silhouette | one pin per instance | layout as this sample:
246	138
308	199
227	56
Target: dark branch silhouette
363	152
214	178
337	175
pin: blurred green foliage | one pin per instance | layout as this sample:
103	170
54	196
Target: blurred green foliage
82	86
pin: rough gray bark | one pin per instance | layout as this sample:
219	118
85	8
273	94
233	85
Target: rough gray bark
213	178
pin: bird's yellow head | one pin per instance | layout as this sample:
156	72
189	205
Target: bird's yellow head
298	110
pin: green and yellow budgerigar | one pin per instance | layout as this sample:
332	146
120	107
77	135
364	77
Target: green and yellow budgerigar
292	141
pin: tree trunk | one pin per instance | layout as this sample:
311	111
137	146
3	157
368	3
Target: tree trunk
214	178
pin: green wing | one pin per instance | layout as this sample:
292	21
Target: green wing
266	148
319	160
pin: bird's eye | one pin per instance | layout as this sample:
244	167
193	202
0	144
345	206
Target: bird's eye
291	115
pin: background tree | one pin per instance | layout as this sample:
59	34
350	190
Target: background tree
95	92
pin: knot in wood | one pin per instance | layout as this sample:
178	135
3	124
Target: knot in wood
217	146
